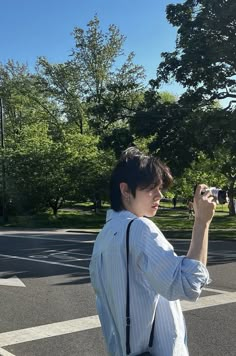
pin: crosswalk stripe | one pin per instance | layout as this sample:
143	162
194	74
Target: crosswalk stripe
5	353
91	322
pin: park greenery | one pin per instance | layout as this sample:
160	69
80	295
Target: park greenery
65	124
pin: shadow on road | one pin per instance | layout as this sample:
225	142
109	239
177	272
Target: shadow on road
69	254
37	255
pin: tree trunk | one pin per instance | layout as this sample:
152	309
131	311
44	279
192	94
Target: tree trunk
54	209
231	199
56	204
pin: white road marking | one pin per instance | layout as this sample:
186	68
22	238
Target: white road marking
40	237
5	353
47	262
77	325
216	290
11	282
91	322
210	254
49	330
210	301
62	255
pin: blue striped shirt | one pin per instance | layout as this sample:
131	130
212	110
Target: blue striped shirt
158	280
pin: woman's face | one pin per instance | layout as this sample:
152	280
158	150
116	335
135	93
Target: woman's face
146	201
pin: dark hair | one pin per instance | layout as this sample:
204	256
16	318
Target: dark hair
138	171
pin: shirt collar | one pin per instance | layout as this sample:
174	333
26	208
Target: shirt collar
124	214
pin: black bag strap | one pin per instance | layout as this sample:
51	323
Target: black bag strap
128	299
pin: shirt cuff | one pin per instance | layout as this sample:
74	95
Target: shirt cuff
196	274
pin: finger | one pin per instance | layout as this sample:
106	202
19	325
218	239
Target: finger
211	200
206	194
200	188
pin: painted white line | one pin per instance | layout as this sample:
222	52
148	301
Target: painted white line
47	262
211	255
11	282
49	330
211	301
91	322
5	353
216	290
68	255
40	237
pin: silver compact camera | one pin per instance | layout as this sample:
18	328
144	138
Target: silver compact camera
220	195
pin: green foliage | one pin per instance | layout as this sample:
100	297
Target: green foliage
111	92
91	167
175	223
167	125
66	124
202	170
204	63
24	101
43	172
34	168
63	85
204	59
92	89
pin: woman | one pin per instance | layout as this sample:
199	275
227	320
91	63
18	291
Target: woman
158	278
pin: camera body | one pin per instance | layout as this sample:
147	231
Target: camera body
220	195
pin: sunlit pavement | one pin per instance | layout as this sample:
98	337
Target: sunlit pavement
47	303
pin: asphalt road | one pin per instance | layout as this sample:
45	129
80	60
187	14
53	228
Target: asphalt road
47	305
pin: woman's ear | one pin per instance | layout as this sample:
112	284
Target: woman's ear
124	189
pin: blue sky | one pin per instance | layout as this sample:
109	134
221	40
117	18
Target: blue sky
33	28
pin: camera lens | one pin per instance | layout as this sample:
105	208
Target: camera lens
222	196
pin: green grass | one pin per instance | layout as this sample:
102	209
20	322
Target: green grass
175	222
213	234
64	219
179	219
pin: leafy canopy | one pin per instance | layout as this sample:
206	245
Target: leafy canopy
204	60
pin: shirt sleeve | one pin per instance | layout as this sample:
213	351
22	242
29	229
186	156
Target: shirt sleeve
174	277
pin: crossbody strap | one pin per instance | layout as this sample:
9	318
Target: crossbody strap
128	299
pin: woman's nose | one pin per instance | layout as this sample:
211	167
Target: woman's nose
158	194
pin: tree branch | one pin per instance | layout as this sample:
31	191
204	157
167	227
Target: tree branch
230	104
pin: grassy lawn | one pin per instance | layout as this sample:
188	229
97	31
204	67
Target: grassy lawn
179	219
175	222
65	219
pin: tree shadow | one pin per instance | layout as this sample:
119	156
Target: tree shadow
69	255
28	257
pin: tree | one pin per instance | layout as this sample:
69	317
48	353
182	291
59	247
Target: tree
167	125
91	166
27	111
63	84
91	87
204	60
36	170
54	116
25	102
202	169
215	130
44	173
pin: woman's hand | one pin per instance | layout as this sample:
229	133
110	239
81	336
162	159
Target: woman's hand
204	208
204	205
